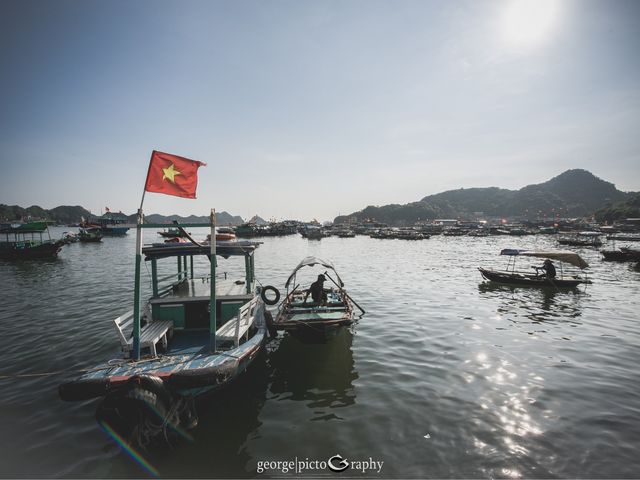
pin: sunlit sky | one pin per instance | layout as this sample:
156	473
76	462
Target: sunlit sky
310	109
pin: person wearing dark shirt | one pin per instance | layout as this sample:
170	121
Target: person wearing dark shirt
549	268
316	290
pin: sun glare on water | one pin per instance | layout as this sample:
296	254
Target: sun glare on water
527	23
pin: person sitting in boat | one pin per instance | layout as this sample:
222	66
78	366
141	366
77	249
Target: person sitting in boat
317	290
549	268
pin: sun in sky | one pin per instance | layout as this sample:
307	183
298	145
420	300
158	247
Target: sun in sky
529	23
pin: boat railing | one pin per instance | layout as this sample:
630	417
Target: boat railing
120	322
243	321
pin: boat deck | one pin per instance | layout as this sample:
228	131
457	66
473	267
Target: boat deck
188	342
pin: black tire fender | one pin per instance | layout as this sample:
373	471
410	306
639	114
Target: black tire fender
264	296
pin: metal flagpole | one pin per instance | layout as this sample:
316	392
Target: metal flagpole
212	301
136	291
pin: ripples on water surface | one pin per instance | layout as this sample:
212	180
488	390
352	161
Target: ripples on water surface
444	376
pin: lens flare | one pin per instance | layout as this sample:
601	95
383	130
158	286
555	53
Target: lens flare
129	450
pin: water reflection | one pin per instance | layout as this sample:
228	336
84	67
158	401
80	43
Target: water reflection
535	305
502	430
321	375
228	420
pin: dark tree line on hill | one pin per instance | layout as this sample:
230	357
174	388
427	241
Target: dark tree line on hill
74	214
628	209
574	193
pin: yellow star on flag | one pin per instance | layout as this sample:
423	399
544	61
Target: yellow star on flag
170	172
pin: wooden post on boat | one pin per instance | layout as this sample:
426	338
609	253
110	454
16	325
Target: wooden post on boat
154	276
212	300
136	291
253	269
247	272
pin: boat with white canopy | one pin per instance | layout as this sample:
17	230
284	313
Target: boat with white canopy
316	317
511	276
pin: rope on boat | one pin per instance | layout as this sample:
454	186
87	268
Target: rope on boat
144	432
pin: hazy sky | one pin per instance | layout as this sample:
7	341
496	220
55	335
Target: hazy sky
308	109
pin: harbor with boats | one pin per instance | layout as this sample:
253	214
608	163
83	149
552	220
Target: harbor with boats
441	304
205	321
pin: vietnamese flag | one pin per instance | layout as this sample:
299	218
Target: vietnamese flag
172	175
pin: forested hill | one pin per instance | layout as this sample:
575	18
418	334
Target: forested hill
73	214
574	193
63	214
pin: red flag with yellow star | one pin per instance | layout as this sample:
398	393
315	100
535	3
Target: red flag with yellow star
172	175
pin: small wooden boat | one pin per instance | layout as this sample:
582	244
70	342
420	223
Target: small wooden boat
624	237
345	233
409	234
192	337
582	239
172	232
26	241
510	276
68	237
90	234
301	316
313	233
223	234
623	254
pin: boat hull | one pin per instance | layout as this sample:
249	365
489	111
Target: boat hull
114	231
182	375
620	256
25	250
527	280
313	321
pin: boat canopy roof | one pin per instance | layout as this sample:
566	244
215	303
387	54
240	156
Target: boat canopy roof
223	249
310	262
24	227
560	255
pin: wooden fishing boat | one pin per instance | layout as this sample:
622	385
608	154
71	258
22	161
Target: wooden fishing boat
90	234
172	232
69	237
624	237
26	241
345	233
313	233
510	276
623	254
301	316
193	336
409	234
223	234
582	239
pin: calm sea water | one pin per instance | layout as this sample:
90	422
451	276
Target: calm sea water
442	377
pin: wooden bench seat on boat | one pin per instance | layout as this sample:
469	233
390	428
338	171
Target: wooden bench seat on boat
150	334
238	326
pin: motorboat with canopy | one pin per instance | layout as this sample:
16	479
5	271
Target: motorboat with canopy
193	336
511	276
305	317
27	241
